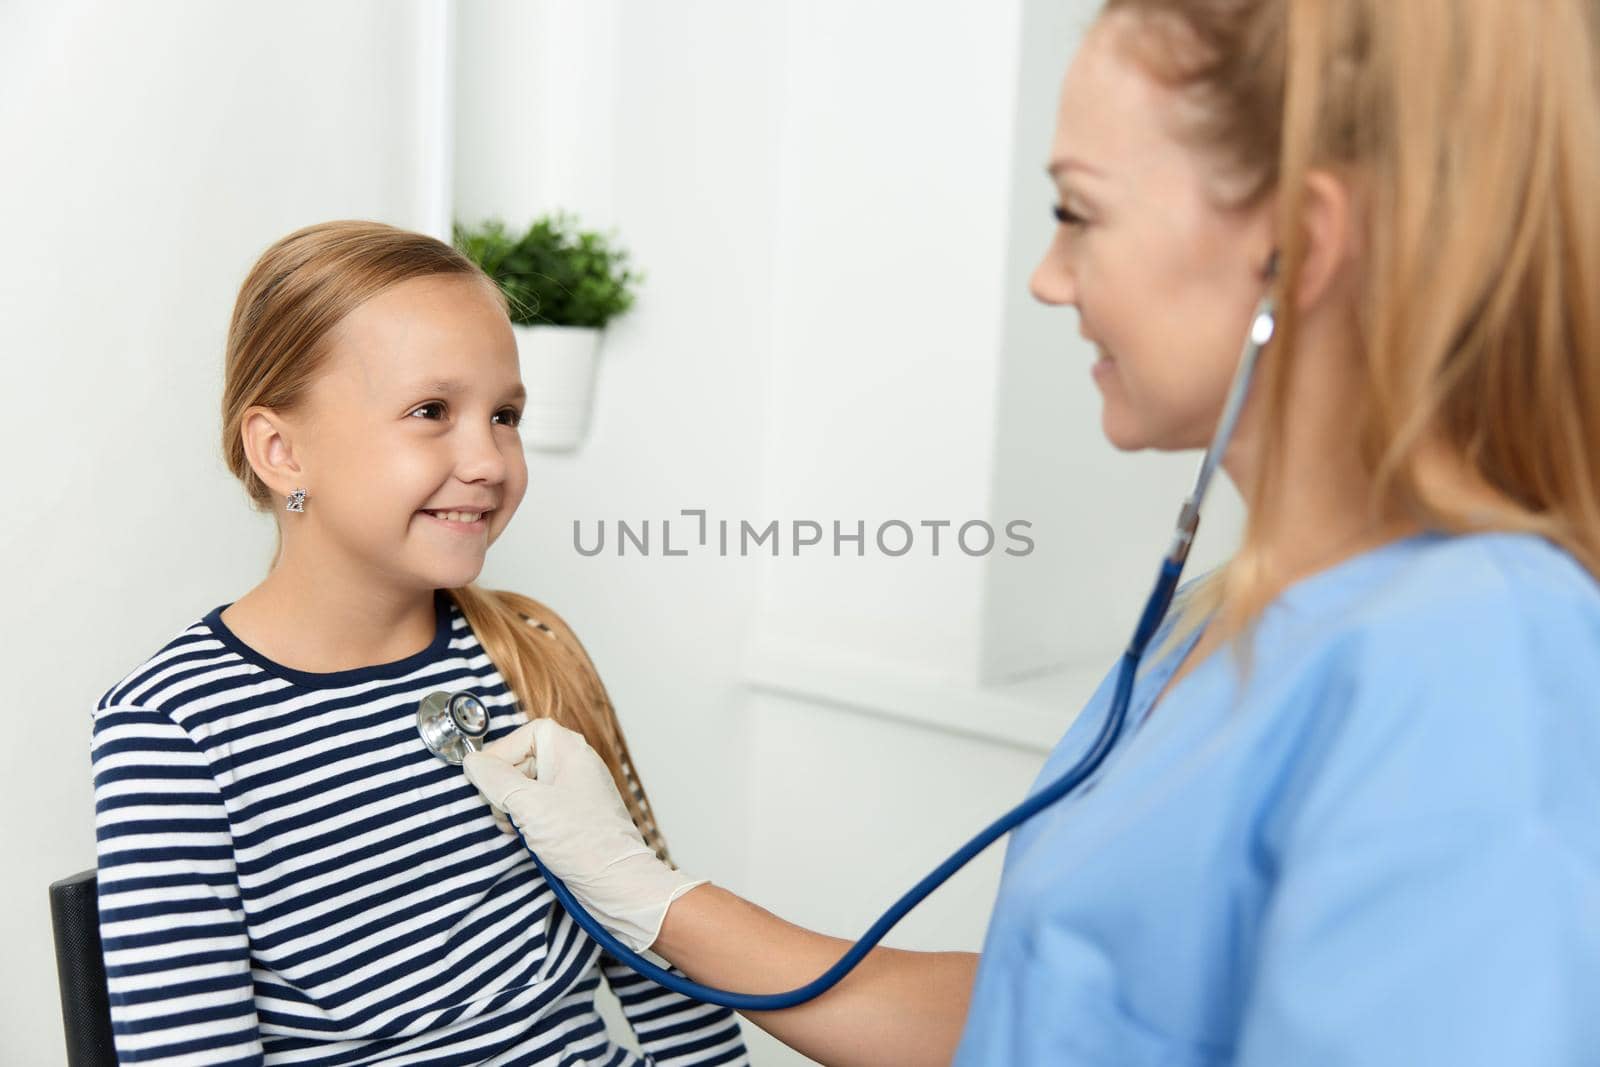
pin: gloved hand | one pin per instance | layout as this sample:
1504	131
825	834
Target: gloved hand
559	793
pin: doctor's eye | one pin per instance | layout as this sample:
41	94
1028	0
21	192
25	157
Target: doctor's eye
1065	217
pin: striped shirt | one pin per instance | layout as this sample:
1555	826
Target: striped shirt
287	875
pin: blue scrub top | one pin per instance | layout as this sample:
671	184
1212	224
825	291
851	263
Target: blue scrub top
1383	849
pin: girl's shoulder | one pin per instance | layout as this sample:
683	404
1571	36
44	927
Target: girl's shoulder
152	708
156	682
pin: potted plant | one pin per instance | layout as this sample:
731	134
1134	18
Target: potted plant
563	284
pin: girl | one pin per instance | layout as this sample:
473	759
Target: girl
286	873
1372	840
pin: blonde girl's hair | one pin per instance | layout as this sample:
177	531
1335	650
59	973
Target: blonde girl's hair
278	341
1470	133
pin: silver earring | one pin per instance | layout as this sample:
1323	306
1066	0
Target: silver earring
297	501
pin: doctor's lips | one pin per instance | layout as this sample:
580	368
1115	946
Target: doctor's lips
1103	366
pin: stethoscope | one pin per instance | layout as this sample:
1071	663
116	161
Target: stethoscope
450	724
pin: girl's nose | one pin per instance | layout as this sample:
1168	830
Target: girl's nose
483	458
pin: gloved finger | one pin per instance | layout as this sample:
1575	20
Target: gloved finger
514	747
556	747
496	779
502	821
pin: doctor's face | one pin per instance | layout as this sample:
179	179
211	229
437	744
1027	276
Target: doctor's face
1163	274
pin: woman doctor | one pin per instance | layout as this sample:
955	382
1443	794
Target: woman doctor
1353	816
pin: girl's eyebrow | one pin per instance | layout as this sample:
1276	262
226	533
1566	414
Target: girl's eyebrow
452	385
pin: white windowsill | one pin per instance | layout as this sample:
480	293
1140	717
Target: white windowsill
1031	714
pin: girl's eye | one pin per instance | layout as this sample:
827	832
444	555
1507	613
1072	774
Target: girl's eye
430	404
1067	218
516	416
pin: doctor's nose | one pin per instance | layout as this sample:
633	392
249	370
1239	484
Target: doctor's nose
1052	281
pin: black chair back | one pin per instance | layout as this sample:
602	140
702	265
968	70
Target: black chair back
81	970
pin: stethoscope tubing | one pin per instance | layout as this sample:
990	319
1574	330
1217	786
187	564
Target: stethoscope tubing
1110	729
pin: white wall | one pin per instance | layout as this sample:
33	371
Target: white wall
836	205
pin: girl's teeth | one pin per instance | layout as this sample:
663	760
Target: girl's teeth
455	516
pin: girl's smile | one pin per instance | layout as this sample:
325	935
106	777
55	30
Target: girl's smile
464	522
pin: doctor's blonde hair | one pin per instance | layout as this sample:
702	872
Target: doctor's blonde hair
278	341
1472	130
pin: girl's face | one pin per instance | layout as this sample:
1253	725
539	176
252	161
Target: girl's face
417	410
1163	276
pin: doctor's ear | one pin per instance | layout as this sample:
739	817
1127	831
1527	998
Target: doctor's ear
1327	220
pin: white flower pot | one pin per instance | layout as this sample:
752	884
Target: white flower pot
558	368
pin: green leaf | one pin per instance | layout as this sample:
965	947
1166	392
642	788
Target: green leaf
553	273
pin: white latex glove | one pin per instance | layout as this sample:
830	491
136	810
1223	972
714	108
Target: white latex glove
559	793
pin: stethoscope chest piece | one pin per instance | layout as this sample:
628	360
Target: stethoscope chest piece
452	724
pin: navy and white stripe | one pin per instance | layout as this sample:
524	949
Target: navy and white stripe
288	876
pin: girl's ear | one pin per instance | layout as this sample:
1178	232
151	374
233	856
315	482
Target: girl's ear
269	447
1330	241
